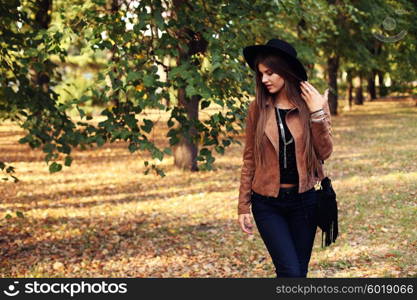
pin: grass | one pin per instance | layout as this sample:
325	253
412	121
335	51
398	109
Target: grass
103	218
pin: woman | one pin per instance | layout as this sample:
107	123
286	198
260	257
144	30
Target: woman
288	133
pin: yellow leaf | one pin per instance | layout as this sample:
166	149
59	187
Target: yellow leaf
139	87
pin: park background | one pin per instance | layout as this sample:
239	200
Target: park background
122	130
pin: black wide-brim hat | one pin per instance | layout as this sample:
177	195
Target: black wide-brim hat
277	47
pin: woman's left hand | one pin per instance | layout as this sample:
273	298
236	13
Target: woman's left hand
311	96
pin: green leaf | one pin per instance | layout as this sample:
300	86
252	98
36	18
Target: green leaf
48	148
100	141
64	149
205	152
168	151
158	154
148	80
106	44
191	91
148	125
174	140
68	161
130	121
216	118
48	157
10	169
158	19
208	141
132	147
220	149
55	167
24	139
160	172
205	104
81	112
226	142
133	76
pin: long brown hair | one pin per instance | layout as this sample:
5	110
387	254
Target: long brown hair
293	91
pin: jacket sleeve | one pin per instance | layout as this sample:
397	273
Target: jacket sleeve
248	167
322	135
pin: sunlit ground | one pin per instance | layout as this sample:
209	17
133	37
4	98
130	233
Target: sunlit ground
103	217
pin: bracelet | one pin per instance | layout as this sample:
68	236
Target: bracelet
316	111
317	120
319	114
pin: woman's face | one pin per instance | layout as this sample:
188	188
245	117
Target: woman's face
272	81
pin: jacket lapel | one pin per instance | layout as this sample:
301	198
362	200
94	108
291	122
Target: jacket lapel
271	127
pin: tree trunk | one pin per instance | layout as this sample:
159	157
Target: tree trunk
185	152
382	88
393	86
359	92
349	89
113	7
332	69
371	86
43	18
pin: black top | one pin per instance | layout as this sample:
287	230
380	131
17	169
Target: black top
289	174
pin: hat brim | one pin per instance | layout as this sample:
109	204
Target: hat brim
251	52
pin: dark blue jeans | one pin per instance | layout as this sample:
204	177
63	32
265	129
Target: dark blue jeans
287	225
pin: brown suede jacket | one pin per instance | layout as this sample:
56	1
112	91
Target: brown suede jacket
265	181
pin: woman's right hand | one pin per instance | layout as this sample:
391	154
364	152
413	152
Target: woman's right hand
245	223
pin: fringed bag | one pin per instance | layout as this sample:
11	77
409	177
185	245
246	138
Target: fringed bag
327	212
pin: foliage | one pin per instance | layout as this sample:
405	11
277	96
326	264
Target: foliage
129	82
127	46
